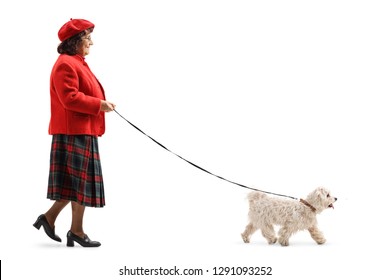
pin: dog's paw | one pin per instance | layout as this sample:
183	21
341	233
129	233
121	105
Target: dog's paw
245	238
283	242
321	241
272	240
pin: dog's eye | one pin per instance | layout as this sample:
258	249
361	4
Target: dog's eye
328	195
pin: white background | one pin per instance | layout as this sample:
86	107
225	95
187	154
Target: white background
283	96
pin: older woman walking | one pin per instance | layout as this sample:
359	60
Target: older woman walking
78	107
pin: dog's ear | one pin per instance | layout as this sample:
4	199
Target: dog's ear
321	191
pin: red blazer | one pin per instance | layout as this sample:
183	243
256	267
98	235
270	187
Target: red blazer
75	96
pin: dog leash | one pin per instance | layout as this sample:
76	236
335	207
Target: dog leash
197	166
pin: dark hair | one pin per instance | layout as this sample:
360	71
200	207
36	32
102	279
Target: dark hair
70	45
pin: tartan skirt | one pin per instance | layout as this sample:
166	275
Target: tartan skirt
75	170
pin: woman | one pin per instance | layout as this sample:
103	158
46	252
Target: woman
78	106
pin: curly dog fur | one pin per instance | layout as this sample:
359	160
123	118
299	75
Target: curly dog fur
290	215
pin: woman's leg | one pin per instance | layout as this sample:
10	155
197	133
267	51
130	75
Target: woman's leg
76	232
52	214
48	219
77	219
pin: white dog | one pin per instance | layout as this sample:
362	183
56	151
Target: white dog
291	215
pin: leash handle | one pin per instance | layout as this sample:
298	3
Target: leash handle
197	166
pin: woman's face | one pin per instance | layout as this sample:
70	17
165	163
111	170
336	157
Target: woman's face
86	42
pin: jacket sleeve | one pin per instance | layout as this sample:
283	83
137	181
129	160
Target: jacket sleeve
66	83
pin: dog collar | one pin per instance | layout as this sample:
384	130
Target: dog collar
308	205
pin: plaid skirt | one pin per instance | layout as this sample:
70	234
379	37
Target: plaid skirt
75	170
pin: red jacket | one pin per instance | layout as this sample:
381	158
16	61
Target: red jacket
75	96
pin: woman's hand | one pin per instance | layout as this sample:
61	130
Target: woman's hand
106	106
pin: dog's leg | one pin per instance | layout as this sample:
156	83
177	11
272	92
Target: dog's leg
269	233
284	235
317	235
249	230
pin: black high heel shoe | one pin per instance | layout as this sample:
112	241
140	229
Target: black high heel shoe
85	242
42	221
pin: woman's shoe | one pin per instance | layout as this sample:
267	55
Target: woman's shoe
42	221
85	242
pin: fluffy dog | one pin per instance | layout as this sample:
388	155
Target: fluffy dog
291	215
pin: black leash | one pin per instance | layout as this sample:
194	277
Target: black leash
197	166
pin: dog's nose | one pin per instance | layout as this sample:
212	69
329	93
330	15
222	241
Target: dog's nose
335	199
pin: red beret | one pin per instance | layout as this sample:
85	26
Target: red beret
73	27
